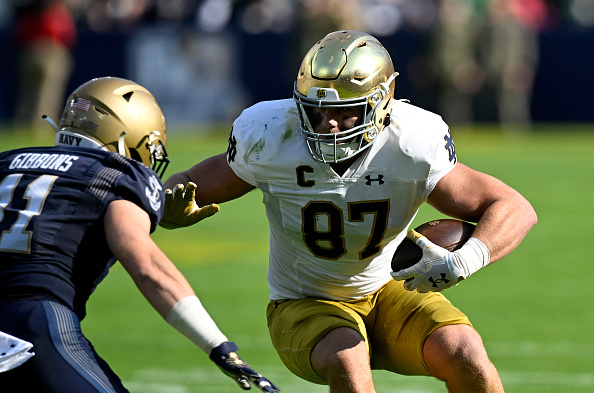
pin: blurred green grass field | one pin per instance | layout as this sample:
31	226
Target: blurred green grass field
533	308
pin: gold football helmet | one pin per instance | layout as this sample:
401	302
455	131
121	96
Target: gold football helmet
117	115
345	68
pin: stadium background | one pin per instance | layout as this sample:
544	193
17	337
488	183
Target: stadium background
207	59
532	308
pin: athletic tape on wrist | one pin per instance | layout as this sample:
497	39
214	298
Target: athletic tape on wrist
473	256
191	319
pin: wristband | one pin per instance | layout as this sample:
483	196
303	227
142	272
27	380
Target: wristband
472	256
191	319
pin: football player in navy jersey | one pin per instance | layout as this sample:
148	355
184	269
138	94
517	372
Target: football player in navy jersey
343	168
67	213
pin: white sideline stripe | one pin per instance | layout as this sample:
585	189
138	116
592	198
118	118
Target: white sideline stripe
189	377
154	387
143	380
546	378
534	349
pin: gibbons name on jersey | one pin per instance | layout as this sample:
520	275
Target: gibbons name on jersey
59	162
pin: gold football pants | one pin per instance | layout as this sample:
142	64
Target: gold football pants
394	323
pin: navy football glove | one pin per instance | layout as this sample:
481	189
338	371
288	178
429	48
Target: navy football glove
232	365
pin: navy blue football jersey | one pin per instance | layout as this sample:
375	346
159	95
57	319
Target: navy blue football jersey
52	204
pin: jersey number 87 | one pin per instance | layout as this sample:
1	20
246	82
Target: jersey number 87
330	244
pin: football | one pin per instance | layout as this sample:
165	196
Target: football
448	233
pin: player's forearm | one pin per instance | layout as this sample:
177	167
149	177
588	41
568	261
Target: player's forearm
170	294
502	214
191	319
216	182
160	282
504	225
176	302
176	178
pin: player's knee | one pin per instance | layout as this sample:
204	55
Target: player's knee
457	351
340	352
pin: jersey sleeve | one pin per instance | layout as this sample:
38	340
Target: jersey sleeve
254	139
140	185
444	157
426	138
236	154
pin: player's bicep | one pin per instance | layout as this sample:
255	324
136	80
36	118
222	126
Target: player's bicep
127	229
465	193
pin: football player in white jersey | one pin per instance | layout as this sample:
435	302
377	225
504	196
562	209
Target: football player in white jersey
343	168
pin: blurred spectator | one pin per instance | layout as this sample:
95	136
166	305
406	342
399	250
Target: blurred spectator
512	56
103	16
488	47
316	18
45	34
262	16
481	65
582	11
455	43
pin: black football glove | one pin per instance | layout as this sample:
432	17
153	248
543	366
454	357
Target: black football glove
232	365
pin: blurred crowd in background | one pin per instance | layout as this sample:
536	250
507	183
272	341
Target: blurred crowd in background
206	60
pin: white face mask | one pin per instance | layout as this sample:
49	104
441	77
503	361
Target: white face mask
345	144
343	151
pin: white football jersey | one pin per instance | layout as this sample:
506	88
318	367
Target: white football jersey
334	236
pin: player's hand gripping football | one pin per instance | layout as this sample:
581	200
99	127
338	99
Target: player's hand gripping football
439	268
232	365
181	209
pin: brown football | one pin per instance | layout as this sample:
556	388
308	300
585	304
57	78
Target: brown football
447	233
